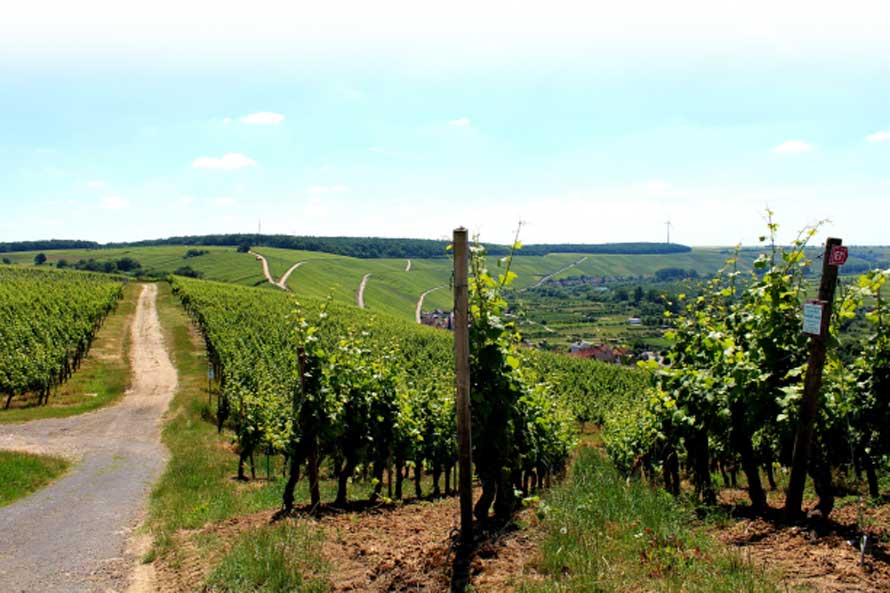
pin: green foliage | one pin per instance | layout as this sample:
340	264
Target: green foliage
48	319
517	430
733	390
362	400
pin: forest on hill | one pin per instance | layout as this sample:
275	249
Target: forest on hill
361	247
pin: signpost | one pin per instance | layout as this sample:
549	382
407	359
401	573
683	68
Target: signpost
816	319
812	318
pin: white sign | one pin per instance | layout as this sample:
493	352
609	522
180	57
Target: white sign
812	319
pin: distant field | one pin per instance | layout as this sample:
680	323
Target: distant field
390	289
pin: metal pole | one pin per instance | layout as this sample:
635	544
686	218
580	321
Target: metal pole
812	385
462	377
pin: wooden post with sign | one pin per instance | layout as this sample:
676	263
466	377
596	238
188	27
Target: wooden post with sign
462	379
813	311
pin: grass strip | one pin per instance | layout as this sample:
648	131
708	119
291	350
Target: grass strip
273	559
603	535
24	473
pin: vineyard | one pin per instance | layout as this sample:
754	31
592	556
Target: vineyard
731	400
374	392
347	404
48	320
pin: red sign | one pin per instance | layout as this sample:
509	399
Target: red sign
838	256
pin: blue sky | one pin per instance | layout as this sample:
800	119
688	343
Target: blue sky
590	126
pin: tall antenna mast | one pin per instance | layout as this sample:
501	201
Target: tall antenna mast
259	227
668	225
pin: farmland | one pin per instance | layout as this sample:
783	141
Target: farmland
366	419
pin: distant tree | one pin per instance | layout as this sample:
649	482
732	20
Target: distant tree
621	294
127	264
7	261
187	271
243	248
638	295
199	252
40	259
62	263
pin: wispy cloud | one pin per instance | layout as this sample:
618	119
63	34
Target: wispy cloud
96	184
187	200
377	149
222	201
793	147
882	136
318	190
263	118
227	120
114	202
461	122
228	161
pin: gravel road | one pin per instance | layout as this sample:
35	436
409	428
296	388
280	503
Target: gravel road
73	535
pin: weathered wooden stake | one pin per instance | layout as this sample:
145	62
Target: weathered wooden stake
812	385
462	377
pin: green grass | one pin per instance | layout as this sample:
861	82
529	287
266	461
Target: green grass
605	536
102	378
273	559
24	473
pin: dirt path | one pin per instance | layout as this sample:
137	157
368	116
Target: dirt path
419	309
73	536
265	267
408	266
559	271
360	295
281	282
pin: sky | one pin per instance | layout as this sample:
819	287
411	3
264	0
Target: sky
589	123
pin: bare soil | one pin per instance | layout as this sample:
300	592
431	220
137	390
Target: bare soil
387	548
819	556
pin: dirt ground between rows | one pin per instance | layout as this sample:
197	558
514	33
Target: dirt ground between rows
390	548
817	556
408	548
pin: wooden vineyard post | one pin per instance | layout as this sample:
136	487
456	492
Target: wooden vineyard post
312	450
812	385
462	379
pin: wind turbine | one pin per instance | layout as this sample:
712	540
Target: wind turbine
668	225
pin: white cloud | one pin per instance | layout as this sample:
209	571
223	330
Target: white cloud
882	136
317	190
263	118
793	147
114	202
228	161
95	184
222	201
187	200
461	122
377	149
227	120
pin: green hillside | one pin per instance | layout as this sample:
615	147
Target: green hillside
390	288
